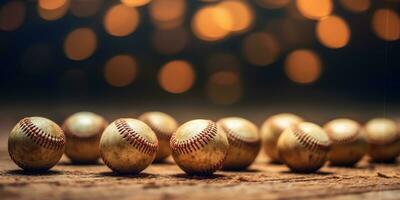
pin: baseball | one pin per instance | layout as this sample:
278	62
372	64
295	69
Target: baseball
36	144
199	147
383	138
272	128
128	146
244	142
83	131
348	144
163	126
303	147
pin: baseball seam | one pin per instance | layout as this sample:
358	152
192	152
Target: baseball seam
165	135
309	142
194	143
40	137
235	139
133	138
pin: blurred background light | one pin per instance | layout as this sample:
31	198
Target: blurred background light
176	76
167	14
355	6
303	66
12	15
224	87
121	20
333	32
80	44
386	24
314	9
85	8
210	23
170	41
222	62
120	70
239	15
260	48
135	3
52	10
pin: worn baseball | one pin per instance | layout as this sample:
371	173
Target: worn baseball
303	147
128	146
272	128
383	138
83	131
163	126
199	147
244	142
36	144
348	144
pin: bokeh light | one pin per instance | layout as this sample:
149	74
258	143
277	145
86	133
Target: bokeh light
80	44
240	15
135	3
120	70
260	48
50	11
176	76
12	15
222	62
272	4
167	14
170	41
355	6
303	66
386	24
121	20
314	9
224	87
210	23
85	8
333	32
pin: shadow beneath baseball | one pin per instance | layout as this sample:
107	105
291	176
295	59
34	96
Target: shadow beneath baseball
164	162
199	177
115	174
69	163
33	173
323	173
241	170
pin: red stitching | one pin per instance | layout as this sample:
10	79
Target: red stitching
309	142
134	138
40	137
195	143
160	134
235	140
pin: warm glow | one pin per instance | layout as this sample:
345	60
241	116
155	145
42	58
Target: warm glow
386	24
260	49
80	44
121	20
166	10
176	76
239	18
85	8
224	87
12	15
170	41
52	4
355	6
208	23
333	32
272	4
314	9
120	70
135	3
53	14
303	66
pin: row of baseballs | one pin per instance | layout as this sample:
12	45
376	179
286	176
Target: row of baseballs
200	146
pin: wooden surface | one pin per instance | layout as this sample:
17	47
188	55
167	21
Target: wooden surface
166	181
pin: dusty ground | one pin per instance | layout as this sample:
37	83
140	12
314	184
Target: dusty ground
167	181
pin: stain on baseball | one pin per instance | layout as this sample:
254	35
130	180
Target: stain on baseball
383	139
199	147
83	131
163	126
348	144
303	147
128	146
271	130
244	142
36	144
